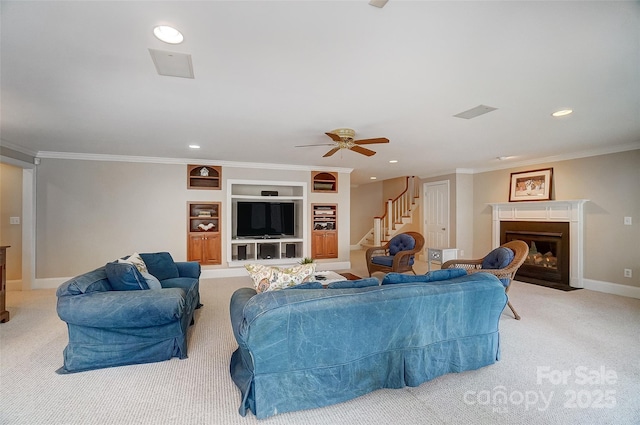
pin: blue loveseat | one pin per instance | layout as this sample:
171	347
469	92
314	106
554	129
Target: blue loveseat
301	349
109	327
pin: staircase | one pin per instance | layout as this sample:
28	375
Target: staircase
398	213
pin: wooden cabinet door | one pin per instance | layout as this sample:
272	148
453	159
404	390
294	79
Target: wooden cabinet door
331	244
211	249
324	244
195	248
317	245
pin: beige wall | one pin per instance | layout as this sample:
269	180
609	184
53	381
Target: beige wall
366	202
91	212
611	183
11	206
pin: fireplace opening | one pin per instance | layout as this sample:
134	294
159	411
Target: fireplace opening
548	261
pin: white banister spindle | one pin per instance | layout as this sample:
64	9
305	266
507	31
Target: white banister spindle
377	231
389	216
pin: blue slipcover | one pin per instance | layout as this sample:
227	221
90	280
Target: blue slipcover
110	327
306	349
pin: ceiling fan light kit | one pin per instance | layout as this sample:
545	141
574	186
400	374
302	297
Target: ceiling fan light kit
343	138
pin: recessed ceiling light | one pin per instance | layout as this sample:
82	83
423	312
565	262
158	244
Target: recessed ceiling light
373	177
194	146
503	158
393	161
562	112
168	34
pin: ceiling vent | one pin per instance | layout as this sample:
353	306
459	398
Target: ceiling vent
475	112
172	64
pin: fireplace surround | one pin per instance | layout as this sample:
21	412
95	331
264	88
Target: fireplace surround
547	212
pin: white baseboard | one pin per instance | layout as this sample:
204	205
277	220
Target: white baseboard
612	288
14	285
49	282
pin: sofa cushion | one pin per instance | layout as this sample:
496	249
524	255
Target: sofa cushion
360	283
433	276
306	285
499	258
136	260
387	260
271	278
125	277
152	281
161	265
93	281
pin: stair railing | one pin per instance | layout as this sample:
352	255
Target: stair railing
395	209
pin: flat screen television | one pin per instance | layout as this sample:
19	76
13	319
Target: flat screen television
255	219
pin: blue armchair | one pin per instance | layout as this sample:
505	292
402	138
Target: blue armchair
397	255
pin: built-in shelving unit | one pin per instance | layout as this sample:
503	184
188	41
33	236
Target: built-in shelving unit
324	181
203	232
284	249
204	177
324	233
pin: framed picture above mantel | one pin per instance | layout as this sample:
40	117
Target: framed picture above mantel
532	185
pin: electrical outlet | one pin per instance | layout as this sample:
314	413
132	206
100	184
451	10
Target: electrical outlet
627	273
14	220
627	221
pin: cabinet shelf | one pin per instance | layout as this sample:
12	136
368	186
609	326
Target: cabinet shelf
323	181
204	177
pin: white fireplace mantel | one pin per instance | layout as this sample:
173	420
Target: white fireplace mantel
557	211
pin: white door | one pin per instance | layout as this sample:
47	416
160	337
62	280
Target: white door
436	214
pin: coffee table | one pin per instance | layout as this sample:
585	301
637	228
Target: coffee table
328	276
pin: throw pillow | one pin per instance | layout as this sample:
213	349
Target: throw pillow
136	260
271	278
360	283
152	281
499	258
161	265
125	277
306	285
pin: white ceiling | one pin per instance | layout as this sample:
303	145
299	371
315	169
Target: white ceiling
78	77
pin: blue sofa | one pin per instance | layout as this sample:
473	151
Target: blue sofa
109	327
301	349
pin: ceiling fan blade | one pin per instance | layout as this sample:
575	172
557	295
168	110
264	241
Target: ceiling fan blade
331	152
319	144
334	137
363	151
371	141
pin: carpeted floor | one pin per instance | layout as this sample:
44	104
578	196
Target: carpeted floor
591	338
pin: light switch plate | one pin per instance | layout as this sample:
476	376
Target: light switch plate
627	221
14	220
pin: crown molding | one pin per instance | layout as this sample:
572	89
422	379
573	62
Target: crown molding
185	161
17	148
564	157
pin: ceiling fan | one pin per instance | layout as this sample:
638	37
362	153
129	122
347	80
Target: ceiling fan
343	138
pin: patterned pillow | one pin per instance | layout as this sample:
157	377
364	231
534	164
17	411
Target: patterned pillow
271	278
136	260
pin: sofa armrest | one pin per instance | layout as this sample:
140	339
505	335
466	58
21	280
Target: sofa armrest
123	309
236	309
188	269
